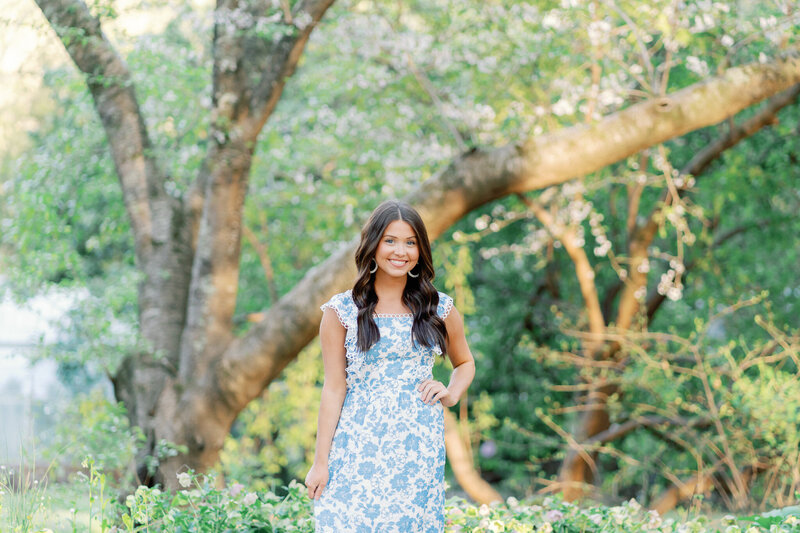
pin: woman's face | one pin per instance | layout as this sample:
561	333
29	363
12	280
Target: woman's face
397	252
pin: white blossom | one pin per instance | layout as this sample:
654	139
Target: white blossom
302	20
697	65
563	107
599	32
184	479
552	20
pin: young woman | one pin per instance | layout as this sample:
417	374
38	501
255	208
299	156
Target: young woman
379	463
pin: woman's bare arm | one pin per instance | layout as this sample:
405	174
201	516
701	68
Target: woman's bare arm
332	336
463	366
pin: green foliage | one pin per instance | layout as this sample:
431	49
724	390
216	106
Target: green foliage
105	436
273	439
202	505
22	504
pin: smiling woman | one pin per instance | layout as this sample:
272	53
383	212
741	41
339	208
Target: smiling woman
379	463
397	254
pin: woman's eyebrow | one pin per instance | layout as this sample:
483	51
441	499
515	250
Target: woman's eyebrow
396	237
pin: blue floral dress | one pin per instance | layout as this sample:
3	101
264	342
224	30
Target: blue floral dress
386	463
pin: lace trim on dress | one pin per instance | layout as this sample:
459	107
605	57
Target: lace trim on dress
330	305
448	305
390	315
346	311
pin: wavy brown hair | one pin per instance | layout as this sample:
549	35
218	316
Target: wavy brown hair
419	294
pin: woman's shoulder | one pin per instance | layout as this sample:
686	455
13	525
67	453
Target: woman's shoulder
344	306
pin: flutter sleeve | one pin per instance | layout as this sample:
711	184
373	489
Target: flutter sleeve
342	304
443	309
445	305
346	310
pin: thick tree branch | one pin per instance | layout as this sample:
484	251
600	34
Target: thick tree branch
281	64
111	86
249	74
156	217
480	176
463	468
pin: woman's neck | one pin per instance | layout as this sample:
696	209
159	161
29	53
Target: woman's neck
389	289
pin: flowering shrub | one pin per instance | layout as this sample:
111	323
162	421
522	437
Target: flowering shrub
555	516
203	507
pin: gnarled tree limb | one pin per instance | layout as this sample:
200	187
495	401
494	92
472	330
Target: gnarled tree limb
249	75
482	175
110	83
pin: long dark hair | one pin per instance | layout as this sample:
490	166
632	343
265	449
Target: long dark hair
419	294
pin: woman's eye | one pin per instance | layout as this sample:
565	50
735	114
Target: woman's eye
389	241
411	243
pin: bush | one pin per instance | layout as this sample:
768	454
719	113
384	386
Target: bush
204	507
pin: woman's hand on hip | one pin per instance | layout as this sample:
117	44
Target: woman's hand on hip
316	480
432	391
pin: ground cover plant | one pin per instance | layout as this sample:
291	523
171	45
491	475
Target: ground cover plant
201	506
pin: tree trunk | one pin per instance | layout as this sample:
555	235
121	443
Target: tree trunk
463	467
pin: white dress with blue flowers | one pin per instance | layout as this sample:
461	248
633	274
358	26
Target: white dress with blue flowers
386	464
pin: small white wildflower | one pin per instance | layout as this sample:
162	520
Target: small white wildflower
512	501
727	41
596	518
547	527
553	515
250	498
184	479
563	107
484	510
236	488
497	527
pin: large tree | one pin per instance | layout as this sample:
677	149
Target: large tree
196	376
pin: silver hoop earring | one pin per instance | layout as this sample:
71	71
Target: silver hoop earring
375	268
412	274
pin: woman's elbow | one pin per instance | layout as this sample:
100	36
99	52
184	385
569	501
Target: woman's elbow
334	388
